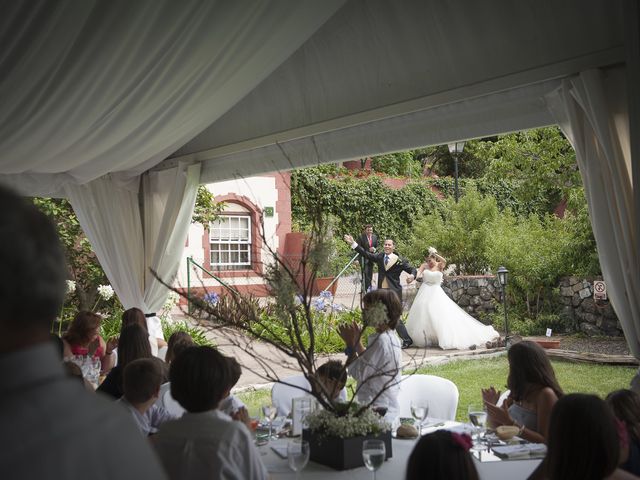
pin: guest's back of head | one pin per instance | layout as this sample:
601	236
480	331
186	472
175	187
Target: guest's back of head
199	378
583	440
625	405
32	294
442	455
530	370
386	298
134	316
141	381
178	342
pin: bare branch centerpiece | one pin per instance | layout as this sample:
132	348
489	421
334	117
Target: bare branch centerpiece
291	321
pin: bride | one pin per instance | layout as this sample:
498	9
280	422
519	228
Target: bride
436	320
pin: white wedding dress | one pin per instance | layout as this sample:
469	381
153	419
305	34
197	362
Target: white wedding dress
436	320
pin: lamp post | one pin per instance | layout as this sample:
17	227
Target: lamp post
455	149
502	278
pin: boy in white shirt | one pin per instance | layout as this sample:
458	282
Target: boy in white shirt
141	384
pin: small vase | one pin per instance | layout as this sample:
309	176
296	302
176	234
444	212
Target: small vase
342	453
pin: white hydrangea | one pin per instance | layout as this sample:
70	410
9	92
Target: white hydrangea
326	423
71	287
171	301
375	315
106	292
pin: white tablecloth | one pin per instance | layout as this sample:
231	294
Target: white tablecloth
490	468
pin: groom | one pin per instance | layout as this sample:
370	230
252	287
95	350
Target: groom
390	266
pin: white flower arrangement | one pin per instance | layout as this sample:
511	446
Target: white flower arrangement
106	292
71	287
326	423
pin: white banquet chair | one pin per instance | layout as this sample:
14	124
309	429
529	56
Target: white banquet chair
441	395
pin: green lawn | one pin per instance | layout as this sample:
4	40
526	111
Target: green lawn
472	375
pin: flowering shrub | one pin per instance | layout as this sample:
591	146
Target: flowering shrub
346	425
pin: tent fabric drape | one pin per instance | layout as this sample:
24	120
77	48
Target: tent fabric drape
127	247
110	218
94	87
592	111
169	198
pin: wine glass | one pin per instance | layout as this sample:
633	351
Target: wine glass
373	454
478	418
419	410
270	412
297	455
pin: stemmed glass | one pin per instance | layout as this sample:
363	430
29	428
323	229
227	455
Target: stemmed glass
270	412
373	454
478	418
297	455
420	411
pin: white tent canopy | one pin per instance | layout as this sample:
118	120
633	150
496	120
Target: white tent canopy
137	102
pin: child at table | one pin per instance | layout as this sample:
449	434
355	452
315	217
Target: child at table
442	455
205	442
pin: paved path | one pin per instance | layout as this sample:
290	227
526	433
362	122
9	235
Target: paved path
258	358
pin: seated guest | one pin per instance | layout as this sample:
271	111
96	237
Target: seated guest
583	441
230	404
376	368
626	407
135	315
333	377
133	344
83	338
442	455
534	392
50	426
204	443
178	341
141	384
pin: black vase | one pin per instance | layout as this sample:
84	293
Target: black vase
342	453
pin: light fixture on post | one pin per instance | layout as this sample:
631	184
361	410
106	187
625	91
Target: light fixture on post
503	278
455	149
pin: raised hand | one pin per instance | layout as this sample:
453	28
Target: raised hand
350	333
490	395
349	239
410	279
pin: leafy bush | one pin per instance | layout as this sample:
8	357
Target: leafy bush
460	231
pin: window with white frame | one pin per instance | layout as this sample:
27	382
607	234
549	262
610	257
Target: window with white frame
230	239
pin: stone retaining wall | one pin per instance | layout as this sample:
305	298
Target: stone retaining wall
475	294
589	316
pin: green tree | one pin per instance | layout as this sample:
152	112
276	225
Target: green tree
459	231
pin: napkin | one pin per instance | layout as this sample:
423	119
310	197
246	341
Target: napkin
520	451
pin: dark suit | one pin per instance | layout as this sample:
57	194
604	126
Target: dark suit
390	278
366	264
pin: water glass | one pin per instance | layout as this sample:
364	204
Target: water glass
420	411
478	418
270	412
373	454
297	455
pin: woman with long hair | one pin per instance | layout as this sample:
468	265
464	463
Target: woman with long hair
377	367
133	344
626	407
534	391
83	338
584	442
135	315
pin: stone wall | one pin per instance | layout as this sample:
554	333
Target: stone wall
475	294
587	315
